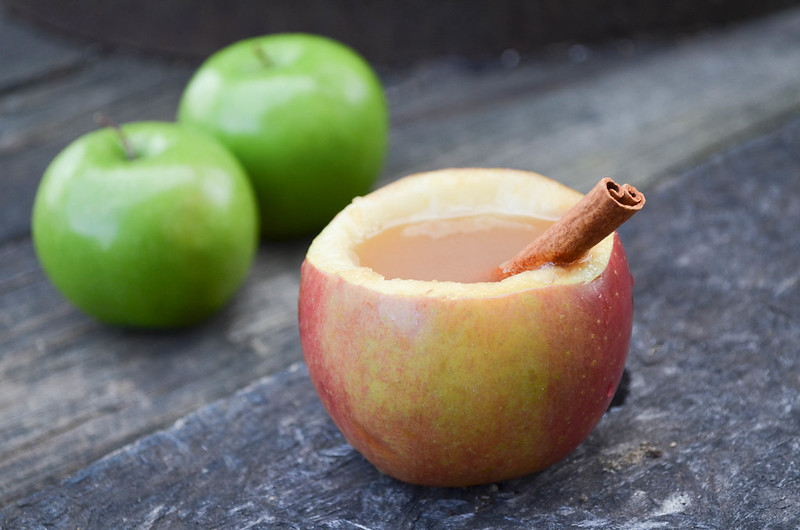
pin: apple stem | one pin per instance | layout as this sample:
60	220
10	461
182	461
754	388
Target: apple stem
262	55
104	121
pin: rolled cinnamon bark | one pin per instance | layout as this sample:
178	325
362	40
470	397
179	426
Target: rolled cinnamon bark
589	221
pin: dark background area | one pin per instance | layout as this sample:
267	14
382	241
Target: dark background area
386	32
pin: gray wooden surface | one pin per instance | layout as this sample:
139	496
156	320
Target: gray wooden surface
73	391
707	437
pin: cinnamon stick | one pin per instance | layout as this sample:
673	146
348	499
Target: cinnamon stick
592	219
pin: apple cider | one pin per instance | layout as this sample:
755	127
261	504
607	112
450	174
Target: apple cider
459	249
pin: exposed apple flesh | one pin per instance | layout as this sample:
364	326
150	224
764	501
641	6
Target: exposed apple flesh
451	384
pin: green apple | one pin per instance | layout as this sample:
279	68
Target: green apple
443	383
305	115
152	225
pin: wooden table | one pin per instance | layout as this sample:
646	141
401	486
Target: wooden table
219	426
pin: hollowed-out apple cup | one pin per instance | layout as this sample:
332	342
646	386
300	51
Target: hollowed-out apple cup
453	384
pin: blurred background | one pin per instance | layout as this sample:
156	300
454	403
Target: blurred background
386	32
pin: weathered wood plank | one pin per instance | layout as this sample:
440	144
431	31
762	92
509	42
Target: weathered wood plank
707	437
634	114
27	57
74	389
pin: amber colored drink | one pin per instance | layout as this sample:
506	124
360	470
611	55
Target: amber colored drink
460	249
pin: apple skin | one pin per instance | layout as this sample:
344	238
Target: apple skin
306	116
162	240
449	390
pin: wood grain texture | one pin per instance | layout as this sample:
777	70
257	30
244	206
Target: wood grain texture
632	115
72	390
707	437
27	57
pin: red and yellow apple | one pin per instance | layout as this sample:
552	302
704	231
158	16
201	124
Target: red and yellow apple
455	384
